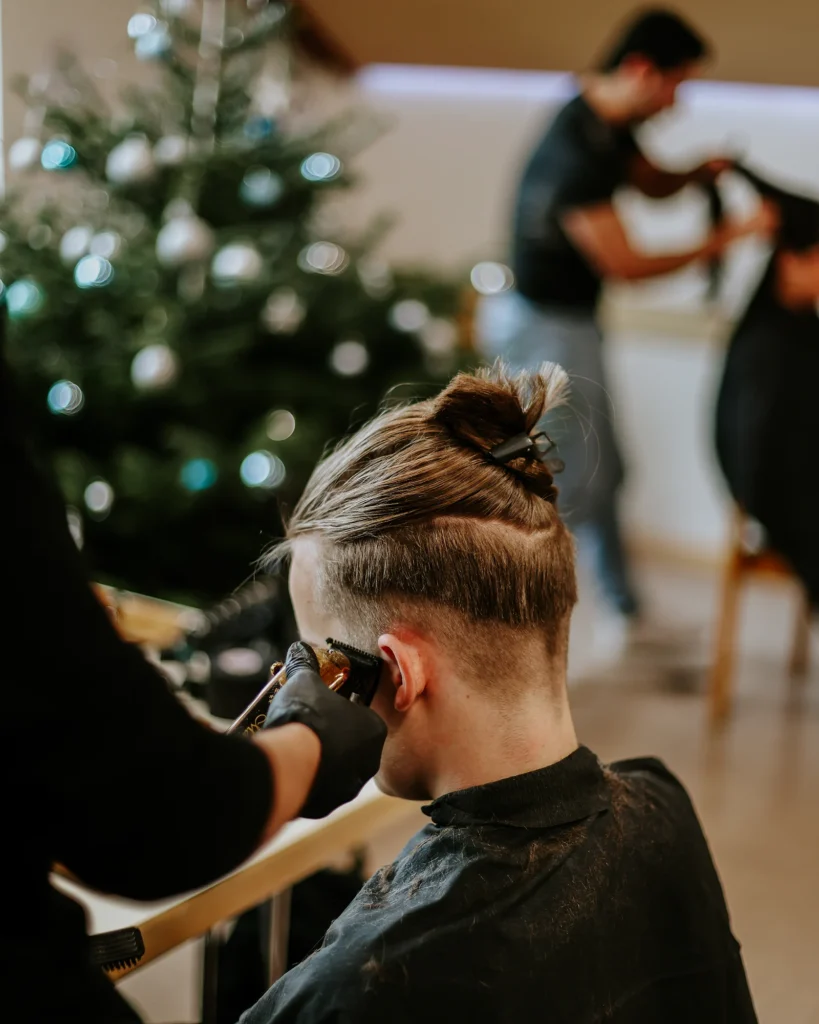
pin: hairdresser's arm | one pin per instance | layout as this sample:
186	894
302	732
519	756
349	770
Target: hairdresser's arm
797	278
599	234
138	798
656	183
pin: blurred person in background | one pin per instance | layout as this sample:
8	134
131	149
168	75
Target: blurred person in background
767	421
108	775
568	239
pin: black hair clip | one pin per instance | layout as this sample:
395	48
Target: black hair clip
530	446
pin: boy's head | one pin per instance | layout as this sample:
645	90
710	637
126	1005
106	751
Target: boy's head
651	57
410	541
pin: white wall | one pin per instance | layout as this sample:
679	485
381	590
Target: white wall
448	166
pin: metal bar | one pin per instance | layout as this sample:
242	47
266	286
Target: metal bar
214	940
278	935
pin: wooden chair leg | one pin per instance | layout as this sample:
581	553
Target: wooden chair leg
800	649
721	680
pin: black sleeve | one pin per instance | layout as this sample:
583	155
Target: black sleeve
583	181
137	798
555	183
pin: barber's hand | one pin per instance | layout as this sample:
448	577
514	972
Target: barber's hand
708	172
763	221
352	736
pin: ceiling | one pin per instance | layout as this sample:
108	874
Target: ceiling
753	44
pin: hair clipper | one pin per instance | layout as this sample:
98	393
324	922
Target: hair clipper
349	672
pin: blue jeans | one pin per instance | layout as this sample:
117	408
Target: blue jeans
525	336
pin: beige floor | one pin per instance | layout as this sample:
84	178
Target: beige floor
755	785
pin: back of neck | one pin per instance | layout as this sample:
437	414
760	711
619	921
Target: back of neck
601	93
481	750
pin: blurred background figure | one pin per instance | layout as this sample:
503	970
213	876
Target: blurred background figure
567	239
767	414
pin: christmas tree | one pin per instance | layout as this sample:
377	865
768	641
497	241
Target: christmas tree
188	328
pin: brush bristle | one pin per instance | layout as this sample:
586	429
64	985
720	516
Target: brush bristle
114	951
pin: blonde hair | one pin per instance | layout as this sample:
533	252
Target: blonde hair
412	512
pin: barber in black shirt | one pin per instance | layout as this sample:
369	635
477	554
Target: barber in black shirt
104	771
568	239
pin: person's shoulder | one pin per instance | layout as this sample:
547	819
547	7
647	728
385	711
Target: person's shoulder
652	773
345	981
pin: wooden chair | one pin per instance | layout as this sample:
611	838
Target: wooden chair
745	563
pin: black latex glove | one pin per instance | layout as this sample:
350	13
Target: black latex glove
352	736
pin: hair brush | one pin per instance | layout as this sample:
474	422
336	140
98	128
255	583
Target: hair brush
114	951
348	671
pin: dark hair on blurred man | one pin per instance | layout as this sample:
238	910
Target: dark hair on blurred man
661	37
568	240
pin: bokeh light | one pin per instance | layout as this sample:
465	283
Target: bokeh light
323	258
93	272
75	243
171	150
283	312
106	244
154	366
24	298
198	474
258	128
409	315
439	336
491	278
58	155
65	398
239	261
99	497
262	469
321	167
280	425
261	187
153	44
349	358
140	25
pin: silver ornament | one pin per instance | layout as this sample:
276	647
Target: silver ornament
237	263
186	239
284	312
490	278
177	208
176	8
99	497
323	258
171	150
24	153
75	243
409	315
349	358
261	187
439	337
154	366
106	243
154	44
130	162
93	272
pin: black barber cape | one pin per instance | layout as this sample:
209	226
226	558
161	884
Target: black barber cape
574	894
767	421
